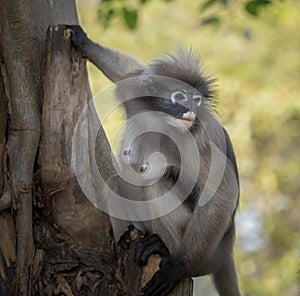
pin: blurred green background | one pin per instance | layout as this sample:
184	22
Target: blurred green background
257	63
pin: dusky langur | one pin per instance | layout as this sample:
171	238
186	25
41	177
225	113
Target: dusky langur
191	193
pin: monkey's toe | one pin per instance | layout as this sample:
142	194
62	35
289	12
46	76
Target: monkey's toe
147	246
165	279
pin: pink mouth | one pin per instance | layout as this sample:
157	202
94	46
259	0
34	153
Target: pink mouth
187	119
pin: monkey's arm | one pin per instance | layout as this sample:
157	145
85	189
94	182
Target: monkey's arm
115	65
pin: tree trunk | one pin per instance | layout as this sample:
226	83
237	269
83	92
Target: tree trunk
77	250
53	241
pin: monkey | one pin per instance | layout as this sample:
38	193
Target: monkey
170	110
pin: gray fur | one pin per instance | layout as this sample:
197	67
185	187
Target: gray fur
184	66
103	58
200	232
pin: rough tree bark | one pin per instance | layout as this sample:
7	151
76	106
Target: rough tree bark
52	240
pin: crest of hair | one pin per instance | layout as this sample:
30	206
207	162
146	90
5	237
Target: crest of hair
185	66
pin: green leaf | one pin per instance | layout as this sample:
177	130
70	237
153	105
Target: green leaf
130	17
105	15
225	2
100	14
213	20
253	7
208	4
109	15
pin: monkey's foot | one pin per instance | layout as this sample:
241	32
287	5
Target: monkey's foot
147	246
165	279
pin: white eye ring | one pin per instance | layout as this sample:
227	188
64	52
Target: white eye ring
178	96
197	99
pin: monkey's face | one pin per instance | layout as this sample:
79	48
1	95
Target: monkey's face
160	111
182	106
179	101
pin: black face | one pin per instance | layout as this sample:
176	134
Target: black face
138	105
166	106
177	107
160	94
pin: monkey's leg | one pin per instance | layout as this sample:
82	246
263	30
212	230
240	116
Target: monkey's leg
147	246
200	242
226	279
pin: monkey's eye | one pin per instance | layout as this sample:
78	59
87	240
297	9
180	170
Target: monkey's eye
178	96
197	99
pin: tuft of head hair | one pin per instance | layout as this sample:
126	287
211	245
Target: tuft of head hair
184	66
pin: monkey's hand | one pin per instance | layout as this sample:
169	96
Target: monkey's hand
165	279
147	246
79	39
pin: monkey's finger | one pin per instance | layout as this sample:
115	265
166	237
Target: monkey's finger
143	250
160	291
147	247
159	288
153	284
148	286
163	291
75	29
78	38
